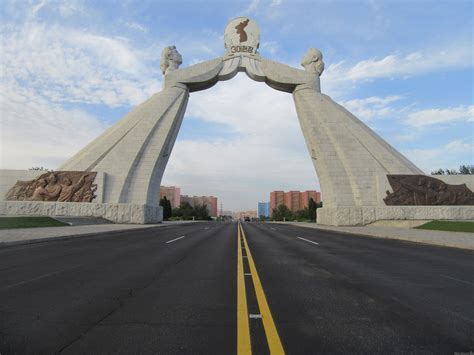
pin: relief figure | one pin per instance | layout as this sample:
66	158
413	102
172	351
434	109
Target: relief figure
422	190
61	186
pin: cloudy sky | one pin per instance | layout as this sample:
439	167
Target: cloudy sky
70	69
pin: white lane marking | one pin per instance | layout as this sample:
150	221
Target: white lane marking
247	274
455	279
255	316
307	240
173	240
42	277
206	228
244	256
273	228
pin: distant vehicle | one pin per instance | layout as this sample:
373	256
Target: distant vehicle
247	219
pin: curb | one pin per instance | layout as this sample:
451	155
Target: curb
73	236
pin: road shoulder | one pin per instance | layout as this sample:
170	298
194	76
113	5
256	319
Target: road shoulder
440	238
20	236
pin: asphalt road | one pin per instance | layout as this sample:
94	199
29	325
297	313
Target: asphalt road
211	288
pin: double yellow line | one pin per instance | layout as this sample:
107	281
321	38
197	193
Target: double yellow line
243	330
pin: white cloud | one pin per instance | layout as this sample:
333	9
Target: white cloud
67	65
136	26
252	6
267	152
243	104
35	133
450	155
372	107
435	116
397	65
36	8
64	8
270	47
70	7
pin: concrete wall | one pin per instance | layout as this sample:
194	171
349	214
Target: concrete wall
359	216
115	212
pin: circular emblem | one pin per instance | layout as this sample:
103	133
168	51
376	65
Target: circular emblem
241	35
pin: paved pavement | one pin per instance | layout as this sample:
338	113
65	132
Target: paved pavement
217	289
442	238
43	234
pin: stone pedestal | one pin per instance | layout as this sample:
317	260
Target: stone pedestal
359	216
115	212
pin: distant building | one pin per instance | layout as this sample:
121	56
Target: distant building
172	193
294	200
243	214
209	201
226	213
306	195
276	198
263	209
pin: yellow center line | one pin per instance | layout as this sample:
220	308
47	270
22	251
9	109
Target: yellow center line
243	329
273	339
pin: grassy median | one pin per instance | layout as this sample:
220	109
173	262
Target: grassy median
29	222
451	226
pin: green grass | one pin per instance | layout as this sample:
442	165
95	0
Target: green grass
29	222
449	226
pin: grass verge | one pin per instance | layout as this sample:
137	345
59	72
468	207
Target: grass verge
29	222
451	226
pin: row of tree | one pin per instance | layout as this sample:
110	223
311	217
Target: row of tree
463	170
184	212
283	213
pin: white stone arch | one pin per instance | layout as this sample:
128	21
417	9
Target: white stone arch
351	160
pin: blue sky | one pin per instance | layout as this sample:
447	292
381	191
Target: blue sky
70	69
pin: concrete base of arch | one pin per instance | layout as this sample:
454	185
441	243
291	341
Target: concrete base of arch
126	213
360	216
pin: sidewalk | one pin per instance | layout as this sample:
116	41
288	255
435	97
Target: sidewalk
442	238
20	236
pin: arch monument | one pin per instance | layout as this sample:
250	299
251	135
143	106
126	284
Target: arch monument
362	177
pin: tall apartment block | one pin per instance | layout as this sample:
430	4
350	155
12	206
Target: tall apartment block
277	198
209	201
294	200
263	209
172	193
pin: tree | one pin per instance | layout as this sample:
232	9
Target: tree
186	212
466	169
438	172
39	168
312	206
201	212
282	213
166	204
463	169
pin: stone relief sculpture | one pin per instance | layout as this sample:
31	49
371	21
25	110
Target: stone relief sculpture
60	186
422	190
170	59
313	61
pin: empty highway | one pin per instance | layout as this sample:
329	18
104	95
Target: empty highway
224	288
